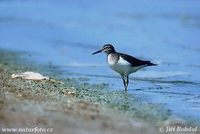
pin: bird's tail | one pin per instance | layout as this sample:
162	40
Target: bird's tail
151	64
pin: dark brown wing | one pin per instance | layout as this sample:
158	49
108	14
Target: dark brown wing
134	61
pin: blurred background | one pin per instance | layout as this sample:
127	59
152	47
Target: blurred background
64	33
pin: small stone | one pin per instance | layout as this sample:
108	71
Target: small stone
175	121
69	93
82	105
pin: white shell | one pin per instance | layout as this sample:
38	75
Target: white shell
30	76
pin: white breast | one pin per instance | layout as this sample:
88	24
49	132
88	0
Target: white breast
123	66
112	59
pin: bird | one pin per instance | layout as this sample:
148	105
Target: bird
123	64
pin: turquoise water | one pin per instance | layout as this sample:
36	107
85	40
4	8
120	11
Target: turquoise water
65	33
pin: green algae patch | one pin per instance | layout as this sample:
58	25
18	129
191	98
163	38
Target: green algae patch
133	106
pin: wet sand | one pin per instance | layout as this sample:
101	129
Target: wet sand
68	105
54	105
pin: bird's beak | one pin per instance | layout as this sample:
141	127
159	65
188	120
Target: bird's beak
99	51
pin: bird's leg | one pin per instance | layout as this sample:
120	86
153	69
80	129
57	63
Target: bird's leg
126	82
123	78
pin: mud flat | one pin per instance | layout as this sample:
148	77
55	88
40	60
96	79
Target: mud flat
69	105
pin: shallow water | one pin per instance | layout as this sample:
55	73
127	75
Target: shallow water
65	33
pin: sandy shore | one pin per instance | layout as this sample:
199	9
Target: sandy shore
29	104
20	108
57	106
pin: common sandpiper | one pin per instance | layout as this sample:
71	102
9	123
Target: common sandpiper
123	64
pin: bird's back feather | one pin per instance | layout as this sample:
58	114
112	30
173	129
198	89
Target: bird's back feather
134	61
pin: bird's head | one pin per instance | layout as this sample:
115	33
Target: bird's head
107	48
